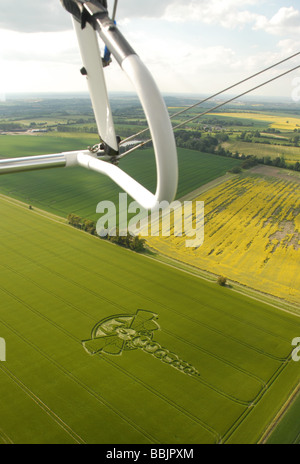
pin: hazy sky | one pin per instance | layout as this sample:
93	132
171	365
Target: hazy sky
194	46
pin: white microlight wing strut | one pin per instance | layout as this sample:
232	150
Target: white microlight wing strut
92	62
162	136
157	117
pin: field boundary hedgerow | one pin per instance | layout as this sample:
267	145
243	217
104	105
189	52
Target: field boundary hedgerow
40	212
206	187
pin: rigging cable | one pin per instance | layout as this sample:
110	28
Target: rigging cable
115	10
214	108
215	95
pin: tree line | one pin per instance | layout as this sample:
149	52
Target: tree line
12	126
211	144
251	137
252	160
194	140
134	243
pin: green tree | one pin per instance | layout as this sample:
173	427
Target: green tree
222	281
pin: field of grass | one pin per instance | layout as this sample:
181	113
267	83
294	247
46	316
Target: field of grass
79	191
290	154
12	146
58	283
287	431
252	235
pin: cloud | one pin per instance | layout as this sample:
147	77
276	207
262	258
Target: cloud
38	16
226	12
229	13
39	47
285	22
141	9
178	65
49	15
289	46
233	14
48	57
33	16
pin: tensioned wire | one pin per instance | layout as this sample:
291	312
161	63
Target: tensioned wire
214	108
215	95
212	96
239	96
114	10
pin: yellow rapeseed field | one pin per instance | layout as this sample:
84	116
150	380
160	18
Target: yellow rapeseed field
276	122
252	235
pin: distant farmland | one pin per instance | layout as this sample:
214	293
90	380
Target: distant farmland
207	365
261	150
275	121
252	235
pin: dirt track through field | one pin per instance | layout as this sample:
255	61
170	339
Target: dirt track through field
279	173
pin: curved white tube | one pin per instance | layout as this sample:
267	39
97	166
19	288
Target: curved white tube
154	108
163	141
160	127
139	193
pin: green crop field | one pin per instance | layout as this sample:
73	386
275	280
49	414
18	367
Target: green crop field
290	154
79	191
107	346
287	430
